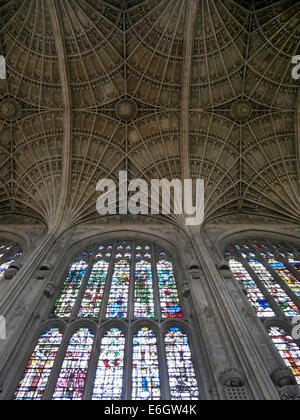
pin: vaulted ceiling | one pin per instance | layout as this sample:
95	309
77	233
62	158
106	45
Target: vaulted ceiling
162	88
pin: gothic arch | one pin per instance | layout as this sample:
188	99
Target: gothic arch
101	324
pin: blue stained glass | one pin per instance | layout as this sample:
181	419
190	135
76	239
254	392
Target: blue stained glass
275	290
254	295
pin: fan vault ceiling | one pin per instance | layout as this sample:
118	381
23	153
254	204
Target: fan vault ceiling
161	88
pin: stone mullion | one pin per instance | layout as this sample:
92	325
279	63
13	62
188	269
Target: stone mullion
274	305
92	368
128	358
163	366
277	277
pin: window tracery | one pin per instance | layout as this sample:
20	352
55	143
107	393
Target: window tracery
117	285
269	272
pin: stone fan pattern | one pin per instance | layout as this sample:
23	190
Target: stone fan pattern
70	63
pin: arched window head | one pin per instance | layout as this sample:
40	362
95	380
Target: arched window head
110	287
37	373
9	252
73	374
120	281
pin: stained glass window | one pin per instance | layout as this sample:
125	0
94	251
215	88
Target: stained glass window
254	295
276	278
183	383
65	303
37	373
145	368
275	290
91	302
169	298
143	296
109	376
73	374
118	300
9	252
288	350
286	276
108	283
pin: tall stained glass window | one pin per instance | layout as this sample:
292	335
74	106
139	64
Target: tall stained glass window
9	252
118	299
92	299
65	302
73	374
145	367
113	285
288	350
169	298
110	371
143	296
254	295
183	383
270	273
37	373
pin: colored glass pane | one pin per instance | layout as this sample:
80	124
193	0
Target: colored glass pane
182	378
169	298
286	276
254	295
118	299
68	295
37	373
4	267
275	290
145	369
73	374
109	376
143	295
91	302
288	350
